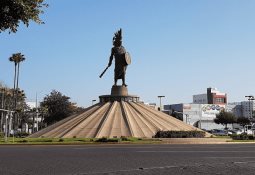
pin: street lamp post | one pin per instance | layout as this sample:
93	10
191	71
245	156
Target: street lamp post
36	112
2	113
250	98
187	118
36	108
6	128
160	96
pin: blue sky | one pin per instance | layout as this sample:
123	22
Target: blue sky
178	48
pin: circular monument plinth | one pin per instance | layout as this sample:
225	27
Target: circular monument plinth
118	93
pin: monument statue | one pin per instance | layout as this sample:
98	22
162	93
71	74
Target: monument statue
122	59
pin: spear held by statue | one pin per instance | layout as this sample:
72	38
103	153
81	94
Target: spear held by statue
104	72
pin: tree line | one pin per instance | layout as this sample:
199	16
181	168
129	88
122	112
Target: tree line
54	107
226	118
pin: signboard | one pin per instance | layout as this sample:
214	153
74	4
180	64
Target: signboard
209	111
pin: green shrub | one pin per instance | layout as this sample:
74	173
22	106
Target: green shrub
42	140
48	140
105	139
123	138
250	137
180	134
1	135
243	136
21	134
61	140
23	141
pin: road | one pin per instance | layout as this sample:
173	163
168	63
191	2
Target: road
128	159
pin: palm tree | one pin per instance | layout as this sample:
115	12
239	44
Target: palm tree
16	58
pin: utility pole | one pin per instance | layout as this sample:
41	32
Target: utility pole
2	113
36	111
6	128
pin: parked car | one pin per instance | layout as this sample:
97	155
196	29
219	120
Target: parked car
248	129
219	132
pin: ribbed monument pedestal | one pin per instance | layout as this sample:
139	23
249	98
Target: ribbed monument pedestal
116	115
118	93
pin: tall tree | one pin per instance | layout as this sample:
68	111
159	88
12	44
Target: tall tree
12	12
17	58
6	103
58	107
225	118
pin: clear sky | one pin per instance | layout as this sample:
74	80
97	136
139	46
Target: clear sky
178	49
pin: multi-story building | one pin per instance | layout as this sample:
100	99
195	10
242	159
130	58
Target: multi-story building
202	112
241	109
213	96
198	115
235	108
247	108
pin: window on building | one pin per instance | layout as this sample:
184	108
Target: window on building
219	100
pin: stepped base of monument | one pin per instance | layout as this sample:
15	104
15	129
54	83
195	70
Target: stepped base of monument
112	98
118	93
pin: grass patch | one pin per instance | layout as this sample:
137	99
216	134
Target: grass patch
67	141
222	137
240	141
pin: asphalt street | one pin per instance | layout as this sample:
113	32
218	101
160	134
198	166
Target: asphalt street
128	159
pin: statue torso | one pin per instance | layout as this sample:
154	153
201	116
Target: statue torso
119	54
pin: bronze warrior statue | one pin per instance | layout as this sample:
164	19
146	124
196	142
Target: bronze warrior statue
122	59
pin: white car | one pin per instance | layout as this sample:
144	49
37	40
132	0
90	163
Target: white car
247	129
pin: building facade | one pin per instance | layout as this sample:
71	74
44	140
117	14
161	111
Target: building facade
198	115
247	108
235	108
213	96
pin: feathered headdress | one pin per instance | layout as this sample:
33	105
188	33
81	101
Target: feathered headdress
117	37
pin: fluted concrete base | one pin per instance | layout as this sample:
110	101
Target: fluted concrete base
114	119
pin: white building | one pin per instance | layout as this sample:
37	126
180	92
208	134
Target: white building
152	105
241	109
199	115
200	99
247	108
31	104
213	96
235	108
